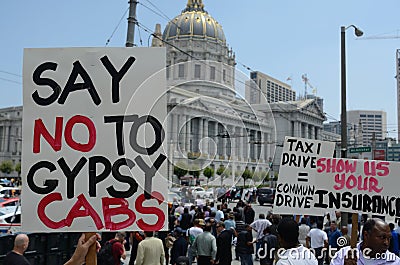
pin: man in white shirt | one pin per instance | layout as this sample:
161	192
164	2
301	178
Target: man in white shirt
294	254
191	235
259	226
317	239
303	231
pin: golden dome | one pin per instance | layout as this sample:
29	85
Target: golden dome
194	22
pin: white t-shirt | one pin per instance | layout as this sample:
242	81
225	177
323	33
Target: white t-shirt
297	256
317	237
193	232
303	232
259	225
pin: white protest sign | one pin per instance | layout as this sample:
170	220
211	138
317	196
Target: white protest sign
93	131
296	183
358	186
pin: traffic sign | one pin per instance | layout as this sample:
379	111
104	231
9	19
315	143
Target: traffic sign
361	149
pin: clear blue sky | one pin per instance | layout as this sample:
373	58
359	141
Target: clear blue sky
281	38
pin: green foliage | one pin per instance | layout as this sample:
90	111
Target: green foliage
180	170
267	177
195	172
208	172
6	167
247	174
221	170
18	168
259	175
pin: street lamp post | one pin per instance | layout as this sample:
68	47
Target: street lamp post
343	118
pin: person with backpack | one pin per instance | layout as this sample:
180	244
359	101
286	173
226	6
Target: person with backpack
112	251
191	235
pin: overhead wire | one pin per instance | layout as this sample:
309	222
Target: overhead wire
160	13
9	73
9	80
115	29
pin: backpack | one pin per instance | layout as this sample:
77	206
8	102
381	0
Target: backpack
105	256
191	237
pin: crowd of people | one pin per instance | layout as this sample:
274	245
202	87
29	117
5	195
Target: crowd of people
319	239
217	234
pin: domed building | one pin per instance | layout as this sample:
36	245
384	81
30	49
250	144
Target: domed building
197	50
209	123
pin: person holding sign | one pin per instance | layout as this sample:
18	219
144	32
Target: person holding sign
82	248
372	250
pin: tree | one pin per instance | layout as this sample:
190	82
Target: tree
6	167
208	172
259	176
18	168
195	172
247	174
180	170
223	172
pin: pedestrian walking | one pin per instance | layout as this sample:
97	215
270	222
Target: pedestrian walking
205	247
244	246
224	245
150	250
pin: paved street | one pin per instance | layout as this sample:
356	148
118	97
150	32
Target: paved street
257	208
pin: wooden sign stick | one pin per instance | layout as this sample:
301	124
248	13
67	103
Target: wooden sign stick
91	257
354	230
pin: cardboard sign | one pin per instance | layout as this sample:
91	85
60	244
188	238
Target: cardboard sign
312	182
297	175
93	131
358	186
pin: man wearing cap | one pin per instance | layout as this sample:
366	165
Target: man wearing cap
191	235
205	247
179	248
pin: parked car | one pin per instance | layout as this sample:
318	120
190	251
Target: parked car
10	219
9	202
172	195
266	195
204	194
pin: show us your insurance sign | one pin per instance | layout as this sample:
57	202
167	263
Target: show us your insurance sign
93	156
